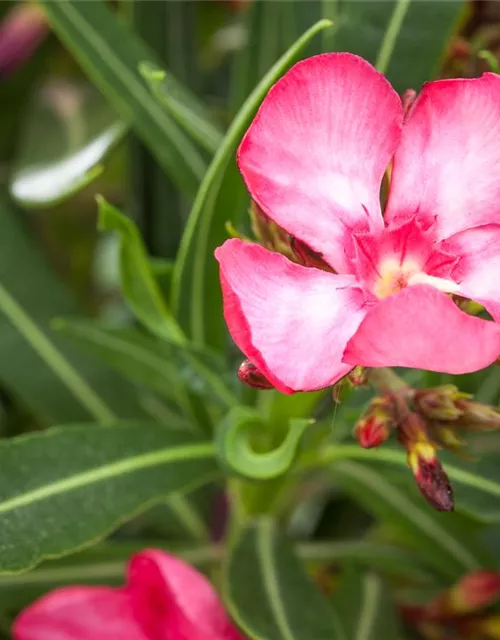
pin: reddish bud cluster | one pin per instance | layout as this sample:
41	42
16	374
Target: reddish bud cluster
268	233
306	256
375	425
446	404
251	376
460	610
358	377
423	462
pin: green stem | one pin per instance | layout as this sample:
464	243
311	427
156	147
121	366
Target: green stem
391	35
336	452
386	380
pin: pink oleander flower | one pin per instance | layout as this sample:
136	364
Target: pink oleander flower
164	599
313	160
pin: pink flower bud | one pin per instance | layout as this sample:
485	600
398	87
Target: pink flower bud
430	476
478	417
268	233
475	591
358	377
374	427
21	32
371	432
440	403
251	376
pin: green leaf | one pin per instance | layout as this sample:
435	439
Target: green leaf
82	482
390	560
195	286
406	39
104	563
282	407
241	429
50	376
444	540
476	483
158	365
183	517
365	606
263	22
69	130
110	53
143	295
139	286
180	105
268	592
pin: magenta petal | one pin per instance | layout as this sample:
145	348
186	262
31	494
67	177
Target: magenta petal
175	602
422	328
478	265
80	613
292	322
447	166
314	157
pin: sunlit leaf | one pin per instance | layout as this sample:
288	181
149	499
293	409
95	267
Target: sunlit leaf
69	130
110	53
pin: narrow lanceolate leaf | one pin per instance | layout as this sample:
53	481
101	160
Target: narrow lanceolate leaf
365	607
160	366
110	54
62	150
101	564
195	287
49	375
269	594
406	39
139	286
476	483
189	114
443	539
83	481
142	293
264	23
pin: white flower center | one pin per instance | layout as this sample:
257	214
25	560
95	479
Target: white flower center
394	276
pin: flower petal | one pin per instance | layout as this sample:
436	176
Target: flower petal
173	600
478	265
422	328
314	157
292	322
80	613
447	165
